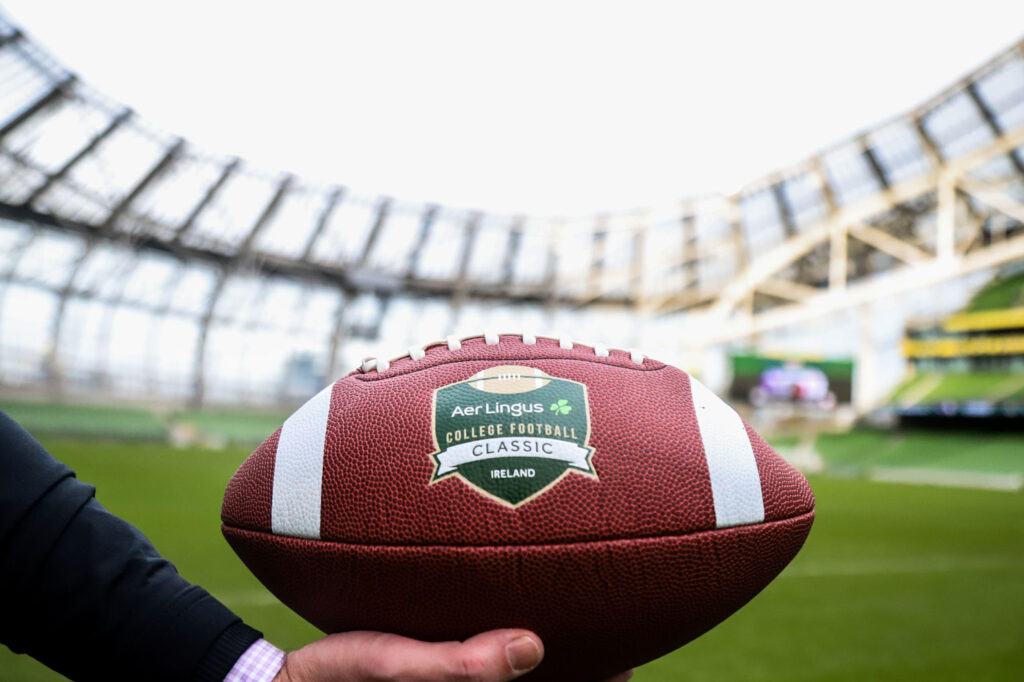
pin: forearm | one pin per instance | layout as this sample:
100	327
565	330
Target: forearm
87	594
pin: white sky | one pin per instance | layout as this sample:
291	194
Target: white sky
543	107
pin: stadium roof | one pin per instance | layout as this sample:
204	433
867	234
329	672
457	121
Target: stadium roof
114	229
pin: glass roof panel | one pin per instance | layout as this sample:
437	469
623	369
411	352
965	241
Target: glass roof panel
477	316
294	221
414	322
532	257
806	201
716	250
956	126
711	221
662	253
487	259
617	259
898	149
574	246
52	137
850	173
439	257
1003	91
589	325
397	238
516	318
23	84
70	203
233	212
717	262
166	203
762	222
346	231
115	166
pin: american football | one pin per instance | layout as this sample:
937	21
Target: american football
605	500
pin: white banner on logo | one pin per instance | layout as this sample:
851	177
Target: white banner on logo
497	448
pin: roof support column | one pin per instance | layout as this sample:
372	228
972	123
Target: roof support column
690	271
866	368
551	282
736	226
636	267
785	212
946	219
599	244
18	252
426	223
199	364
198	396
380	217
159	313
515	240
335	197
338	337
837	260
472	227
54	370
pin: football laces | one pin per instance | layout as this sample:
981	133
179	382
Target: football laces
454	343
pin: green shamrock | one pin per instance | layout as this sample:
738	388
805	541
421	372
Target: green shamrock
561	407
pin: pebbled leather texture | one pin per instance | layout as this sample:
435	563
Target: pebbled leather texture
600	607
620	568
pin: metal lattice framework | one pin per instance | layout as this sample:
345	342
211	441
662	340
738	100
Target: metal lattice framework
133	261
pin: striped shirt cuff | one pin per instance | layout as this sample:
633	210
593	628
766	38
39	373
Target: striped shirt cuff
260	663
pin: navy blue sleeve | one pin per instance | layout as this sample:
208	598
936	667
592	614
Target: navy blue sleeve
85	592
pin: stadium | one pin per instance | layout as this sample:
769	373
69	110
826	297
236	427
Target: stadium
163	309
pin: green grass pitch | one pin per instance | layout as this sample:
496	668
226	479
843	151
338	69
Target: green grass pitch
895	583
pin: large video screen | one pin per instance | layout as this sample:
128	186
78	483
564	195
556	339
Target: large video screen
814	382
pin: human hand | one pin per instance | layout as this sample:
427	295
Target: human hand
494	656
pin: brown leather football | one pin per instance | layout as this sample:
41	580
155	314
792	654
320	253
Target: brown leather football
607	501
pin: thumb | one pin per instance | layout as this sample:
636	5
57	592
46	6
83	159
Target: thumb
495	656
500	654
